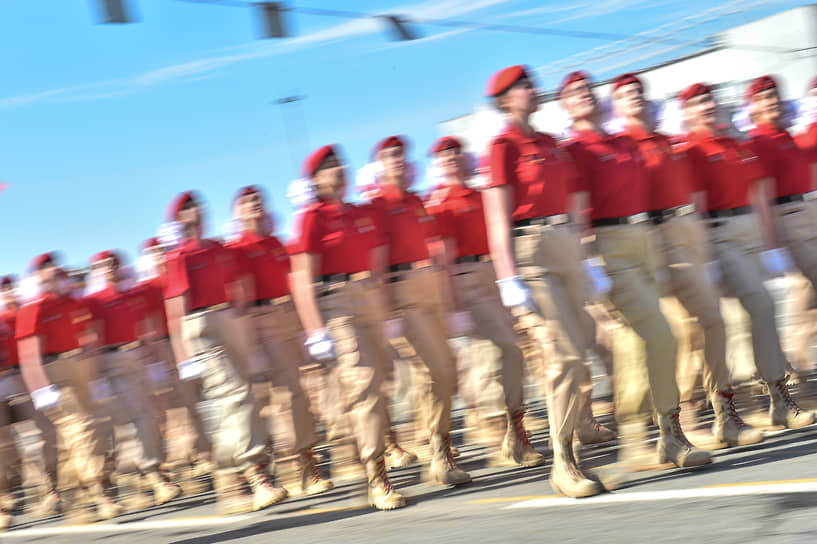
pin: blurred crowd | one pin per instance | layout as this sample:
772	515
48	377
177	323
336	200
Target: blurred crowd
270	369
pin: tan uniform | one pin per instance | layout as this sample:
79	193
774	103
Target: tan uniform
736	244
238	435
681	249
630	261
549	260
353	314
414	297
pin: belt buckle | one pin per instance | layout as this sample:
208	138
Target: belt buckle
559	219
811	195
637	218
686	209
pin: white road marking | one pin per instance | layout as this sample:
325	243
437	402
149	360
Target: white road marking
126	527
674	494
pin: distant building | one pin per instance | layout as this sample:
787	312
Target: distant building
784	45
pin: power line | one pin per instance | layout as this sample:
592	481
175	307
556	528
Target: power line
404	21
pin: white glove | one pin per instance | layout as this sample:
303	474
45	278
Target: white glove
394	328
600	283
158	372
100	389
320	346
713	272
190	369
460	323
515	293
45	397
777	261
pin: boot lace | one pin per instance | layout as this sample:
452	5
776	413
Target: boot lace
519	427
449	457
783	389
678	432
732	411
315	473
382	476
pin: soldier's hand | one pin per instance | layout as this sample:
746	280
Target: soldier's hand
515	294
45	398
320	346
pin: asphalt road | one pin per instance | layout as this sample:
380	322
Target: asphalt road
763	493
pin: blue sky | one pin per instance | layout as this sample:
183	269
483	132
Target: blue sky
101	125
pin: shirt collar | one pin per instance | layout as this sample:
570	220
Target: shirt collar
250	236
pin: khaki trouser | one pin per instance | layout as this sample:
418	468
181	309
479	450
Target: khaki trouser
693	376
82	433
277	335
549	260
801	333
16	406
177	393
479	295
353	314
132	403
797	228
629	260
682	254
239	435
415	297
736	244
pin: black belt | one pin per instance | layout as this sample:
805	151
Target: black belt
121	347
270	301
729	212
790	198
634	219
335	278
211	308
402	267
558	219
473	259
51	357
662	216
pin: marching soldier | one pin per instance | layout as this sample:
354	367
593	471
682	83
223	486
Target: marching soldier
341	308
122	325
276	331
461	223
614	178
682	252
60	369
202	279
15	406
536	255
731	185
170	391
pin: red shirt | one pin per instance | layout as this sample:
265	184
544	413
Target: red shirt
8	344
781	159
152	292
459	215
267	262
541	174
56	319
669	181
807	141
202	269
723	167
404	222
342	235
612	170
120	313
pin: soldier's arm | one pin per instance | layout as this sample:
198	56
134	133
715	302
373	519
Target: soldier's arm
31	363
762	192
497	203
176	308
303	293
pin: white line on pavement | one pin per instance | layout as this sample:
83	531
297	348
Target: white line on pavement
674	494
126	527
